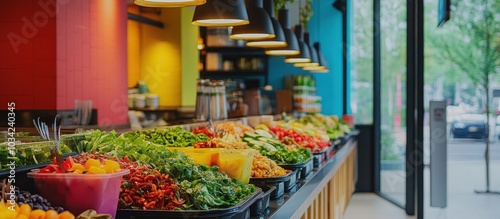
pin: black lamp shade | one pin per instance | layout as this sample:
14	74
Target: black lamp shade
260	27
279	40
292	47
313	52
169	3
221	13
323	65
305	55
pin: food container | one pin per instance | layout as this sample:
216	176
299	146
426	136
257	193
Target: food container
303	169
80	192
152	100
278	182
239	211
334	146
28	153
236	164
131	100
139	101
207	156
22	180
260	205
319	157
289	184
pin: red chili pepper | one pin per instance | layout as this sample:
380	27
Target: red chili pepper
150	205
149	178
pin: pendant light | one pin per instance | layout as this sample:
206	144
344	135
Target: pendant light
260	26
169	3
312	50
292	47
323	65
279	40
217	13
305	55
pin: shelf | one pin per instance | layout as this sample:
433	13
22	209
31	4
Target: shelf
236	73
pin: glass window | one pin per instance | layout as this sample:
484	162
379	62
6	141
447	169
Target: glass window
362	61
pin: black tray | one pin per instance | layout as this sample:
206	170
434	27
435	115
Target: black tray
334	145
241	210
289	184
302	168
262	203
22	180
354	133
278	182
343	139
319	157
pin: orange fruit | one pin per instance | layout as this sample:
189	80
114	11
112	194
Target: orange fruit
51	214
22	216
25	210
8	214
92	163
37	214
66	215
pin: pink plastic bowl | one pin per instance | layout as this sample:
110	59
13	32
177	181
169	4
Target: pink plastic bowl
79	192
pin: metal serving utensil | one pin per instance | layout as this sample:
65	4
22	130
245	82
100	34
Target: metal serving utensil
43	130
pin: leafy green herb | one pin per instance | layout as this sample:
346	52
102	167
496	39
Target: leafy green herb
173	137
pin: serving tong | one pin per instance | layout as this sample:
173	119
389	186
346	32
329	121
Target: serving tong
43	130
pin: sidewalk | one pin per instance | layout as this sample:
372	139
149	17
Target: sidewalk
463	179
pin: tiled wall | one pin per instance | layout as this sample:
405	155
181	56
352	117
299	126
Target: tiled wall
27	55
92	57
80	52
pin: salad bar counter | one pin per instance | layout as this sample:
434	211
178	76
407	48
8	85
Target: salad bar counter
325	194
290	168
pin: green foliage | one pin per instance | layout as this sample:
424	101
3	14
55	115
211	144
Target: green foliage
306	12
388	147
280	4
473	51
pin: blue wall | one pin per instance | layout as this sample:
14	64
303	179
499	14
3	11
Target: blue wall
325	27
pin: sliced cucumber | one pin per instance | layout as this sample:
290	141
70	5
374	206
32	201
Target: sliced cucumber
268	147
252	135
263	133
273	141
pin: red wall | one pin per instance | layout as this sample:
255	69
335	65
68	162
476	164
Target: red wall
27	55
80	52
92	57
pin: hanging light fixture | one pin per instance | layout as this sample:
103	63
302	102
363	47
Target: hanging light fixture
323	65
279	40
305	55
313	52
169	3
260	26
292	47
216	13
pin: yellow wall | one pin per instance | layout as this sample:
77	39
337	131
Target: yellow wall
160	58
190	57
165	58
133	29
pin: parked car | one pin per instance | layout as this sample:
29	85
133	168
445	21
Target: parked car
469	126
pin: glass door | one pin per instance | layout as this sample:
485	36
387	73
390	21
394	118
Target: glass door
393	102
